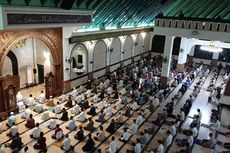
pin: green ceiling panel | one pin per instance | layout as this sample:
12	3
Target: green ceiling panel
118	13
200	9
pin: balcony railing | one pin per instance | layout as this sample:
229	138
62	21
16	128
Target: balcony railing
198	24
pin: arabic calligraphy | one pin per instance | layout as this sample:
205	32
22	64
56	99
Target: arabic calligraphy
46	18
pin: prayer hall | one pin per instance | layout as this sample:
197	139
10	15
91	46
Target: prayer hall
114	76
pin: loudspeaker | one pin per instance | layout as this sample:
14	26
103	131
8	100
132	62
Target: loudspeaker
67	4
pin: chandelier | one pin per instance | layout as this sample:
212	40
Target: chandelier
212	47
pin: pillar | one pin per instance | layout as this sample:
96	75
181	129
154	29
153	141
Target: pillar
227	91
166	60
182	58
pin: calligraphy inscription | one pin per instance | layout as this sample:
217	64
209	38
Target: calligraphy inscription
13	19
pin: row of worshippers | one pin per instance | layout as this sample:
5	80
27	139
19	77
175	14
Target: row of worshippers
215	94
167	112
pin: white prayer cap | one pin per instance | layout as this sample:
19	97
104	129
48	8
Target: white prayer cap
50	96
11	113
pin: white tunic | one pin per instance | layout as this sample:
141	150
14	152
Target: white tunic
14	130
38	108
112	147
57	109
160	149
133	129
110	90
52	123
19	97
27	113
36	132
66	144
76	109
42	98
137	148
139	120
109	112
118	105
168	140
81	117
95	98
11	120
126	136
30	101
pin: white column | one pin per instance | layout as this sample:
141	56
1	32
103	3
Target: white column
167	56
66	34
108	46
90	46
151	41
66	56
183	51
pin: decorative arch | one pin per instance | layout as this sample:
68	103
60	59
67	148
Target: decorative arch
128	47
51	37
79	49
138	45
99	54
115	51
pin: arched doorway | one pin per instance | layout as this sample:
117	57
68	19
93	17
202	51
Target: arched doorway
79	60
115	51
99	58
52	38
138	45
128	48
35	61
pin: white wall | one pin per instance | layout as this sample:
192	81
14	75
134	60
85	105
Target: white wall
99	52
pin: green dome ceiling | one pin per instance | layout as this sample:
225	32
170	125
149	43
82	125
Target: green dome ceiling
135	13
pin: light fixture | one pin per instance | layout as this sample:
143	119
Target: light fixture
212	47
143	34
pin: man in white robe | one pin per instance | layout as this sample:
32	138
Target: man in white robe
36	132
52	123
11	120
42	97
81	117
38	108
76	110
26	114
57	108
66	143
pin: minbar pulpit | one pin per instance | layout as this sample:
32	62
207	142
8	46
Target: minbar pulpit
9	86
49	85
